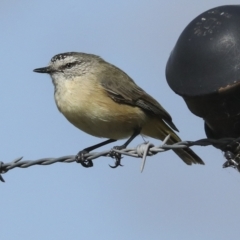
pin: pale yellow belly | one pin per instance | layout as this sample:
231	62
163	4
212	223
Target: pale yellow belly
97	114
113	127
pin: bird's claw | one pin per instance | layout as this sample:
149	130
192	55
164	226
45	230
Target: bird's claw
80	158
117	163
233	160
117	156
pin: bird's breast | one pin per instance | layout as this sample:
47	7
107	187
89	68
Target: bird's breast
86	105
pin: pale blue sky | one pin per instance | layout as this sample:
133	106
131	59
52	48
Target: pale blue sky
169	200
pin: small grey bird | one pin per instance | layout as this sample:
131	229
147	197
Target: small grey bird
103	101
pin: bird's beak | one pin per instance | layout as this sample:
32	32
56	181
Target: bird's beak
43	70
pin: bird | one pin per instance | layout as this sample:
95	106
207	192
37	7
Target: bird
102	100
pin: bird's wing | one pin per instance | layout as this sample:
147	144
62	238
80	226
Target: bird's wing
122	89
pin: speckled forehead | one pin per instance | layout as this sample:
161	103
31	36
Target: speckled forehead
61	57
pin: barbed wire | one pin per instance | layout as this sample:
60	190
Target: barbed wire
230	147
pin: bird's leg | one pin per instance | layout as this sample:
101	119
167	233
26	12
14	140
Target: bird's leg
80	157
116	155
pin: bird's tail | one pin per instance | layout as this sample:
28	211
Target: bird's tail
159	130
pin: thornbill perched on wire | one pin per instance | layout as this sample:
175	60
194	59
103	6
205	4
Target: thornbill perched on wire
103	101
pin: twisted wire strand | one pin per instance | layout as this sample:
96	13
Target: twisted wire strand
230	146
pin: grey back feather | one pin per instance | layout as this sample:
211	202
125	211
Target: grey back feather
122	89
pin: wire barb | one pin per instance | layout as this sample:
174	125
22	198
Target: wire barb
230	147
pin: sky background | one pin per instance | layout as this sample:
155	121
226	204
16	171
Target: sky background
169	200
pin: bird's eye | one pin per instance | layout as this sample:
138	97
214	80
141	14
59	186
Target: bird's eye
69	65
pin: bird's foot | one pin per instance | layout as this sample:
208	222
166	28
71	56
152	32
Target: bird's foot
117	156
233	160
80	158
